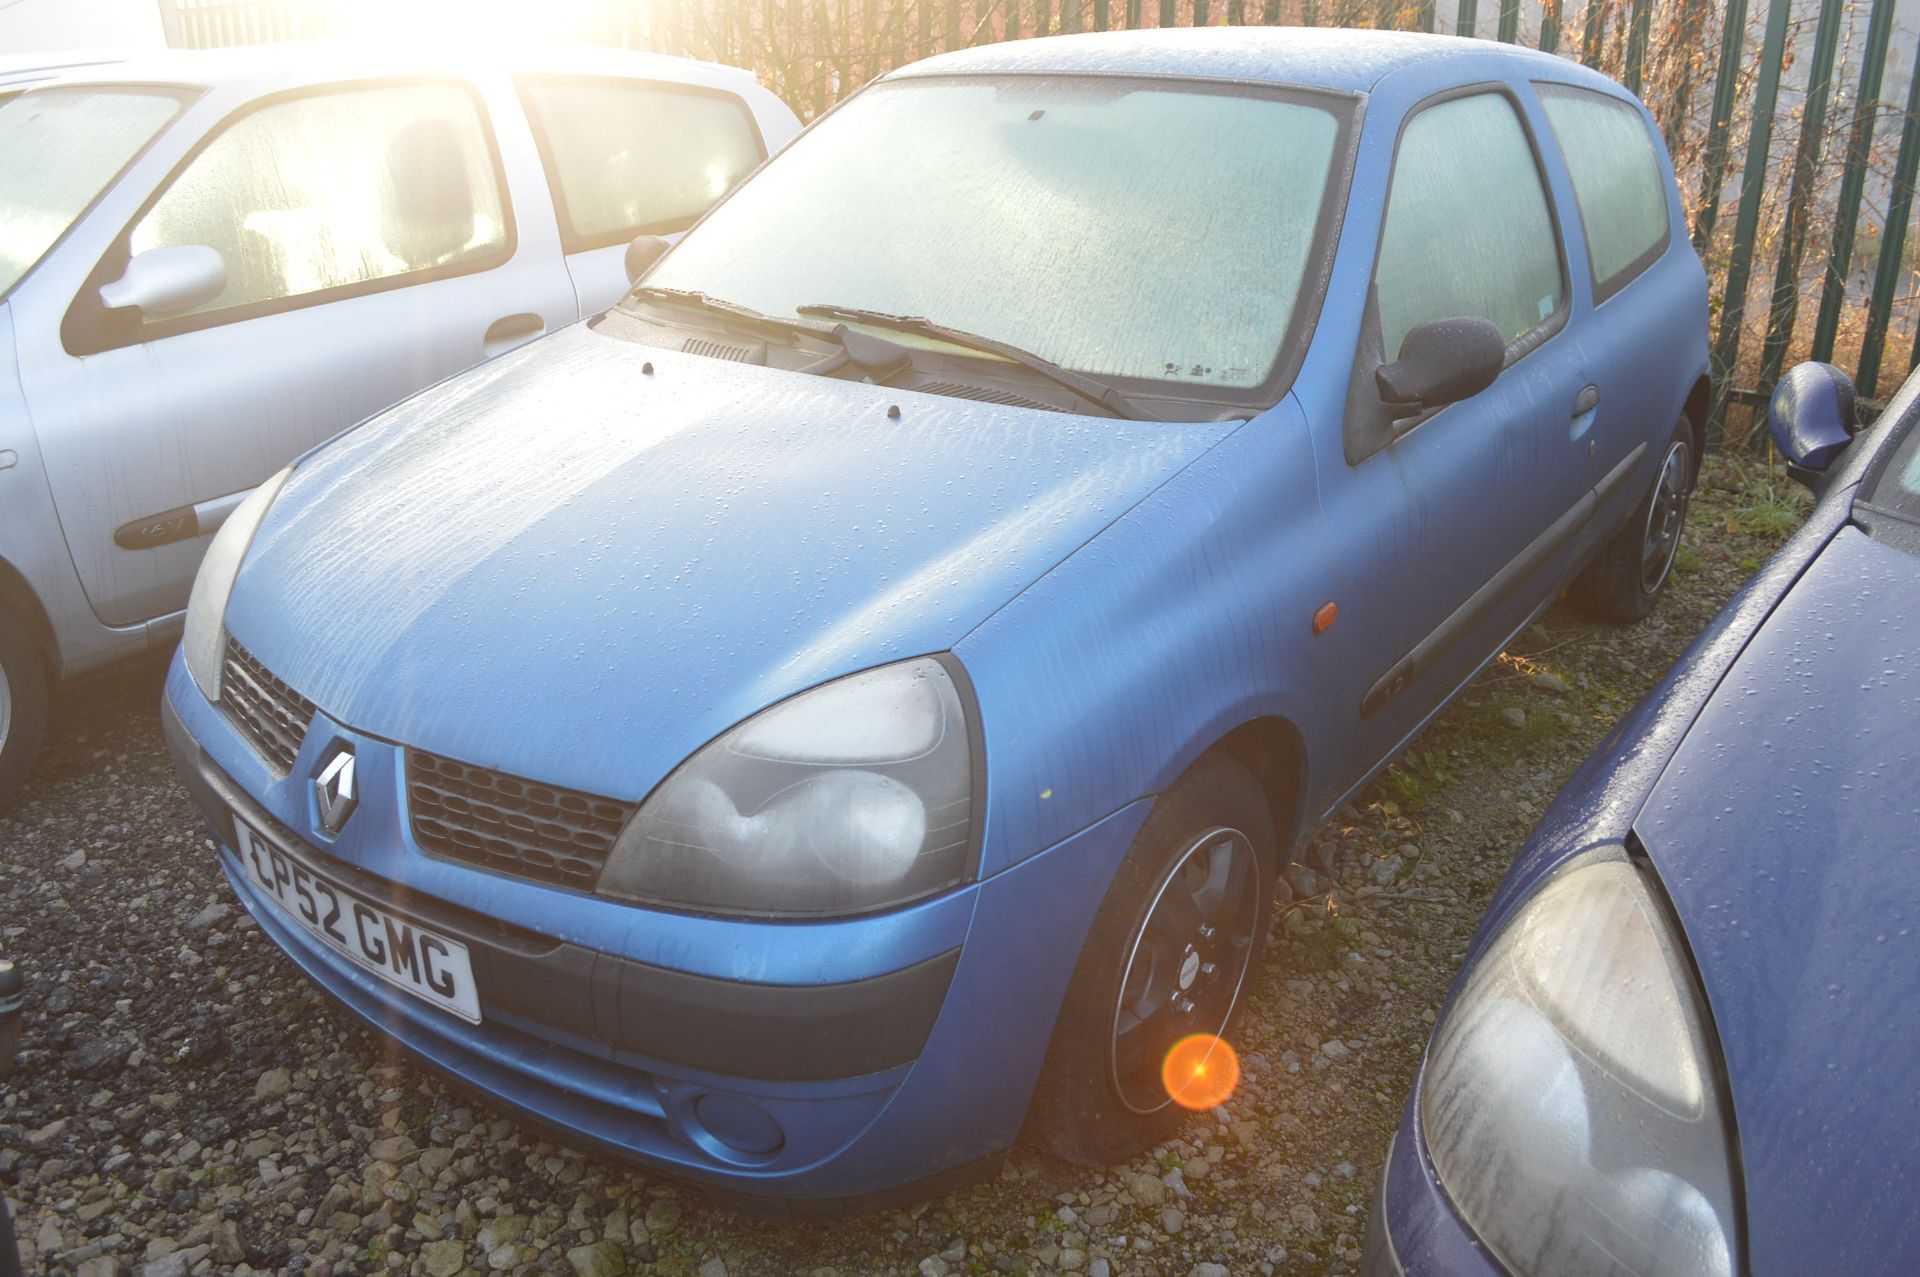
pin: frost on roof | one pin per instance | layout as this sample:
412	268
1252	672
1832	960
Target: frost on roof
1331	57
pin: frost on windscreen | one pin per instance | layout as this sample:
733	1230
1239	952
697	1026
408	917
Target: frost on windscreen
336	189
1119	227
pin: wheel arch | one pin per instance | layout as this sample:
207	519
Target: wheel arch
18	598
1274	753
1699	404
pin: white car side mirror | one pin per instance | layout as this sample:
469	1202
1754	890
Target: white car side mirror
166	281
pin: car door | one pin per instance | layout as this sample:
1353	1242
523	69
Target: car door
370	247
1453	510
626	157
1620	190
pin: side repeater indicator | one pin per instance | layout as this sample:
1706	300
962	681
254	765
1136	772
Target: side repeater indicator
1323	619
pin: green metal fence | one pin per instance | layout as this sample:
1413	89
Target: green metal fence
1822	192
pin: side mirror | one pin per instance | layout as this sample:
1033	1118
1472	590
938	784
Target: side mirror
166	281
643	253
1443	361
1811	417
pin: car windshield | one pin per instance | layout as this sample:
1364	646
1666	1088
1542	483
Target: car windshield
1161	231
59	149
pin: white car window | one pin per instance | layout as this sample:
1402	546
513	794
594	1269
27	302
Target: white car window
629	158
337	189
59	148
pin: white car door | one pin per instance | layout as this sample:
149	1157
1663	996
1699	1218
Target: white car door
372	244
627	157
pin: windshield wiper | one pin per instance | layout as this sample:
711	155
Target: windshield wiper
1089	388
721	306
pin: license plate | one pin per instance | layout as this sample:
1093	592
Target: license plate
406	955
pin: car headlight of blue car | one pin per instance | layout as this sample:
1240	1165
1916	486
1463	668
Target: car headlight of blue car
1572	1105
205	639
854	796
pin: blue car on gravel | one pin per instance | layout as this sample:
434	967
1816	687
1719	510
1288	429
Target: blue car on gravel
857	696
1686	1038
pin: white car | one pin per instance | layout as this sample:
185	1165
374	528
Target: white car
22	71
212	261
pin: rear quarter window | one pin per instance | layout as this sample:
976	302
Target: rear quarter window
632	157
1617	182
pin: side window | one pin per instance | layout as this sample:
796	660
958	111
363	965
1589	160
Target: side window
1468	230
629	158
336	190
1616	181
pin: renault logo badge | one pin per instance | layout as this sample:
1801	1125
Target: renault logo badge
333	792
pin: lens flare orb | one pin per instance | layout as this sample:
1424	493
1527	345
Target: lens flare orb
1200	1072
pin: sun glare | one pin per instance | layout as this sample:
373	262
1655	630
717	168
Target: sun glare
466	23
1200	1072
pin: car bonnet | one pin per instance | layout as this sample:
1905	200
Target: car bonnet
1787	832
586	559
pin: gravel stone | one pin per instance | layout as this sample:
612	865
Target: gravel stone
601	1259
273	1085
448	1256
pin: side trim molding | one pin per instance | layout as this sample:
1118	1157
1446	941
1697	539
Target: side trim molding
1448	634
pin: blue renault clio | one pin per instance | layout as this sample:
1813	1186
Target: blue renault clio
857	695
1686	1039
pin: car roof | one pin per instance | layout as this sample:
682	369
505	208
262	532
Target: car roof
58	60
266	67
1324	57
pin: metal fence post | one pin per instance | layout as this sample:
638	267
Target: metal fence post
1753	177
1550	27
1637	45
1893	242
1793	242
1719	128
1509	21
1596	24
1866	107
1467	18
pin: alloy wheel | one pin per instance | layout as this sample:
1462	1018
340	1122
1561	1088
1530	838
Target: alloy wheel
1187	962
1666	517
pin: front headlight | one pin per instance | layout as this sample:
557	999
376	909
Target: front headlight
1570	1102
855	796
205	636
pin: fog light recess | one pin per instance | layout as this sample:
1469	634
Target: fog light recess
740	1124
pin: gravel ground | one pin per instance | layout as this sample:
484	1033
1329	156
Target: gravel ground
185	1103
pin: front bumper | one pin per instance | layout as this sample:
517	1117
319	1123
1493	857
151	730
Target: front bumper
1412	1230
884	1053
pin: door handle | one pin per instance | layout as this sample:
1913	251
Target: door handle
504	334
1586	401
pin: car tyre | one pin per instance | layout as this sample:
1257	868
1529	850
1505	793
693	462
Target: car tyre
1626	579
1193	895
23	705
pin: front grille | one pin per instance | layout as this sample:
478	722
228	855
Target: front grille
270	714
513	826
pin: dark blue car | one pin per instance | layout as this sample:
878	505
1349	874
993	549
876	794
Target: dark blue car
1686	1040
858	694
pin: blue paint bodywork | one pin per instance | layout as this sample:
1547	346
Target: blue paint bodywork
1769	780
566	568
